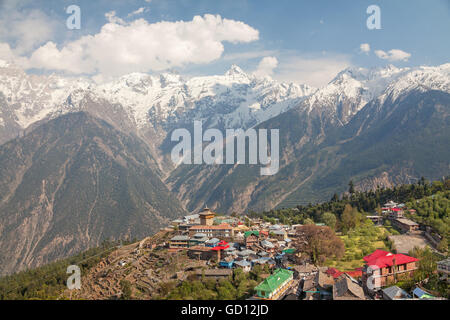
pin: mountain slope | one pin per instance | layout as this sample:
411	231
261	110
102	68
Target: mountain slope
394	139
72	183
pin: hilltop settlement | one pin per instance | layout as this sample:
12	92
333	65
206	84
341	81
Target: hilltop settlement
209	248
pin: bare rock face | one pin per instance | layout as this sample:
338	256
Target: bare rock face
71	184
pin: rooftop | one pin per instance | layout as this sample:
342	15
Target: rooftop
395	292
407	222
180	238
274	281
218	227
381	259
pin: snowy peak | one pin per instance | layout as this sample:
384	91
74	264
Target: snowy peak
354	87
235	71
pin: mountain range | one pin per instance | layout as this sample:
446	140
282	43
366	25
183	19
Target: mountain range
81	162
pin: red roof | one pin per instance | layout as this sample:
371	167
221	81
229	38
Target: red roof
218	248
336	273
376	254
355	273
381	259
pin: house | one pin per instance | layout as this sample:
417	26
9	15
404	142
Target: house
390	204
443	268
306	270
200	253
396	213
219	231
212	242
251	238
275	286
383	267
179	242
260	261
395	293
198	239
244	254
214	273
318	286
280	235
244	265
347	288
227	263
405	225
194	219
268	246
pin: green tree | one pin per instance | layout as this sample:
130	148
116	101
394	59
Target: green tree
329	219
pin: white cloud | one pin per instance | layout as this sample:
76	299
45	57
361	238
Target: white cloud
138	46
112	18
393	55
266	67
314	71
24	29
137	12
365	48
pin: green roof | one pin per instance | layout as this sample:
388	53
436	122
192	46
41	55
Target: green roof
248	233
289	251
274	281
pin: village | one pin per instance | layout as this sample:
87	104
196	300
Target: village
227	243
208	247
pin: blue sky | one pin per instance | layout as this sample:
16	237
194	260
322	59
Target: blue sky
309	40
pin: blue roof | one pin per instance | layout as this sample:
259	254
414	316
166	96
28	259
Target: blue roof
420	293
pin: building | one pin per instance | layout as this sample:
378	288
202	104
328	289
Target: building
347	288
214	273
383	267
207	217
198	239
194	219
201	253
395	293
405	225
391	204
251	238
244	265
227	263
306	270
396	213
179	242
275	286
220	231
280	235
443	268
212	242
268	246
318	286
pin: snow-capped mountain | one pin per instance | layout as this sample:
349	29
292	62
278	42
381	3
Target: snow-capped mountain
235	99
353	88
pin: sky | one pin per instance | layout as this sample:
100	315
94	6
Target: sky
289	40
